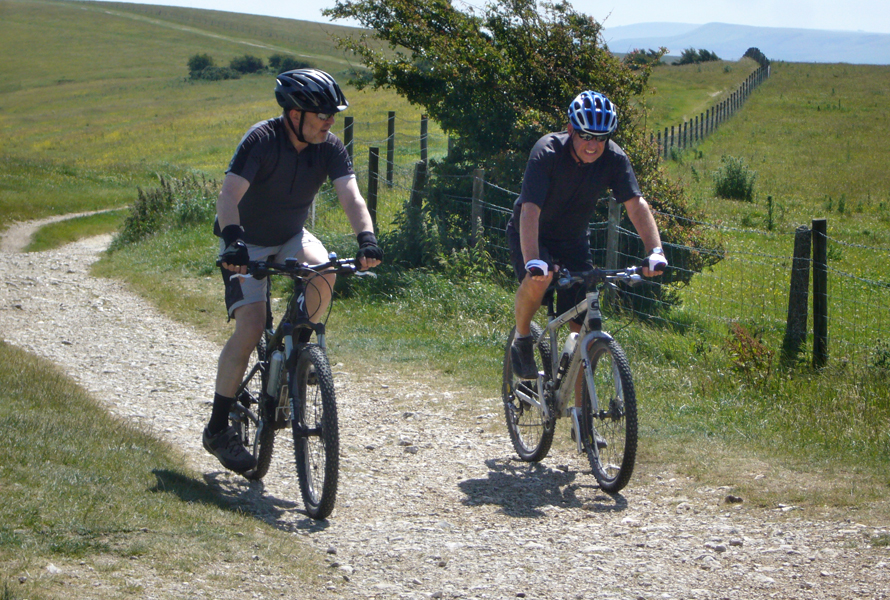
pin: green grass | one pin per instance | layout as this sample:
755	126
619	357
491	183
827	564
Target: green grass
814	134
87	118
681	93
93	495
71	230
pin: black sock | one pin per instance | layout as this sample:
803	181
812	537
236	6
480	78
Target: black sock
219	417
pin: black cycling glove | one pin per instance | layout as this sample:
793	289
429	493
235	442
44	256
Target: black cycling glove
367	247
235	252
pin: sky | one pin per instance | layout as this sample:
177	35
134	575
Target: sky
871	16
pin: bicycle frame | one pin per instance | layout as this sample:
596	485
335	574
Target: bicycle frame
591	330
562	383
295	318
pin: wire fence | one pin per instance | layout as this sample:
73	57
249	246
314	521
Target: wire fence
749	287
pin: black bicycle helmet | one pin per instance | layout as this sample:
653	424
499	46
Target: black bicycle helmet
592	112
309	90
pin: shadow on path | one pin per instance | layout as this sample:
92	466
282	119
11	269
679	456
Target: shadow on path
222	490
526	489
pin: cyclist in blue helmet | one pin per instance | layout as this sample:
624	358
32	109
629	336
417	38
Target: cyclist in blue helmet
566	174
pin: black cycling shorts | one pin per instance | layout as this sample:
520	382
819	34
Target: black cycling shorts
573	255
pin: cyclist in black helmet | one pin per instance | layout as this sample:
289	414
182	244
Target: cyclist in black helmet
566	174
269	187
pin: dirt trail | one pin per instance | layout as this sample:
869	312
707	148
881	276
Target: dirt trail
432	502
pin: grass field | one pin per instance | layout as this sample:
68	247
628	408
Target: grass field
97	104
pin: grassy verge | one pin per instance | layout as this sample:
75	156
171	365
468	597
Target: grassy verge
71	230
110	507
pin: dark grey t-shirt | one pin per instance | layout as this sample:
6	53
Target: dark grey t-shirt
283	182
567	191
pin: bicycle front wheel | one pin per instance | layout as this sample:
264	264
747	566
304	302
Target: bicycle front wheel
530	432
315	430
609	421
248	416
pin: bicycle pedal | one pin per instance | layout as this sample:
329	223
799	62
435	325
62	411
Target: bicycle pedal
601	442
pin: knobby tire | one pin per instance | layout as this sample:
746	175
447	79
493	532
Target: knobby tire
615	422
530	433
315	411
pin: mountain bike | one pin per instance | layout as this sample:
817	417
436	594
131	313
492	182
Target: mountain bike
290	385
604	426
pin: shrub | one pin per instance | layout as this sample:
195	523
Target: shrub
176	203
756	54
247	64
216	74
279	63
692	56
748	353
198	63
734	180
637	58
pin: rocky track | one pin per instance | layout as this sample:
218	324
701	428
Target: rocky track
432	501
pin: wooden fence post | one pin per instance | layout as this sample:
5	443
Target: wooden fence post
416	198
612	234
820	292
423	137
476	207
665	143
373	170
798	301
390	146
347	136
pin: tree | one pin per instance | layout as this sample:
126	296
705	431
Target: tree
247	64
756	54
279	63
691	56
637	58
497	78
199	62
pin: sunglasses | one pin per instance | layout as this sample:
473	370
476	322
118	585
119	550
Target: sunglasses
325	116
592	136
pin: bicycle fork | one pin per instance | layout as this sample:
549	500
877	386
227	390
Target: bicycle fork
590	382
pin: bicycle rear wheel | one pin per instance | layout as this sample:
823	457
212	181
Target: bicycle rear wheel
610	429
531	434
315	430
248	415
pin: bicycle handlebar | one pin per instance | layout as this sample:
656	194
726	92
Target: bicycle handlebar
596	275
259	269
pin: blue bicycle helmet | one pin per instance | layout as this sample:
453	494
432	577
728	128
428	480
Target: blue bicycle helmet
591	112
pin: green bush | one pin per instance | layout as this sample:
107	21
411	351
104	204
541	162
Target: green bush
734	180
216	74
247	64
198	63
176	203
692	56
279	63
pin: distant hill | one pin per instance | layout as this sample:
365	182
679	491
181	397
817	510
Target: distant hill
731	41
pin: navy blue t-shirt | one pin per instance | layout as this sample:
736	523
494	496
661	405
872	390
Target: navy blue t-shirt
567	191
283	182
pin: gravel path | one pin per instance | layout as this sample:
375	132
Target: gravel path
432	501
